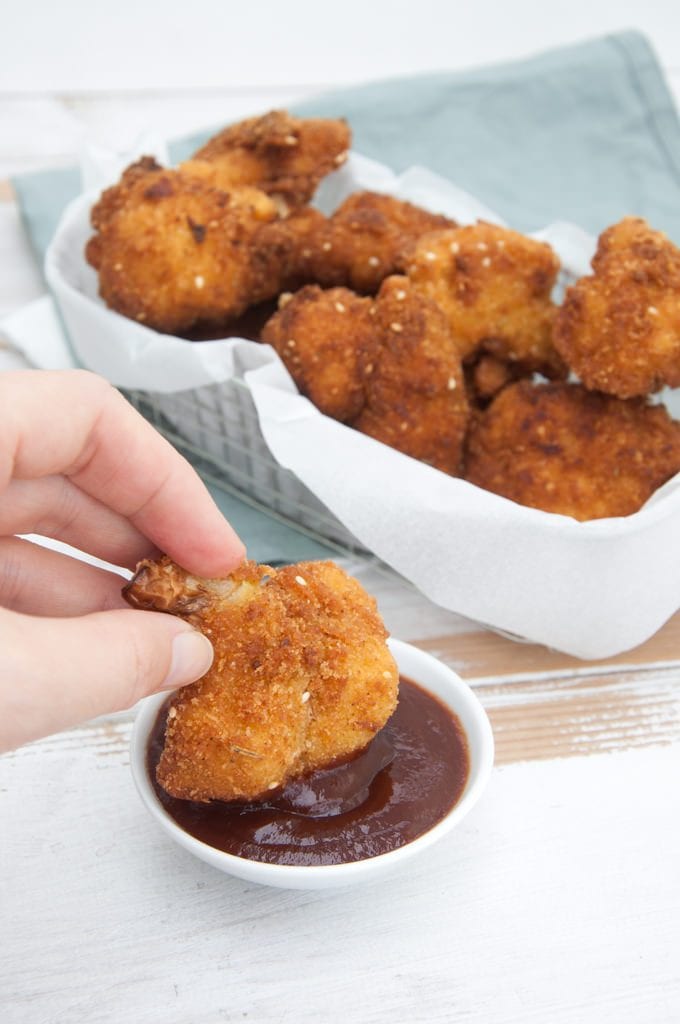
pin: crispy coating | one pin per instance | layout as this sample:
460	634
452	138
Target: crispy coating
619	328
173	252
486	375
325	339
302	676
494	286
561	448
282	155
364	241
415	392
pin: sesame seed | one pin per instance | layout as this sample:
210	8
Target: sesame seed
452	384
291	343
290	140
430	256
199	281
326	246
213	223
400	295
373	261
397	328
272	785
284	299
340	158
368	368
172	713
387	675
305	696
482	246
500	243
301	580
141	316
455	248
403	425
340	307
486	262
371	311
652	310
118	266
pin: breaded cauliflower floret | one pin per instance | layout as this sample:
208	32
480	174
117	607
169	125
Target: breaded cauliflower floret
302	676
561	448
173	252
282	155
494	285
415	392
326	339
364	241
619	328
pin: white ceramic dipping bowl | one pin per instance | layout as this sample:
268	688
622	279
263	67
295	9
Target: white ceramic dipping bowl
423	669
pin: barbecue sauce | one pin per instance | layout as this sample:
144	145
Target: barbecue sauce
404	782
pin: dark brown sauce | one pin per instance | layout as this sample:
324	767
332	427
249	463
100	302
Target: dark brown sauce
403	783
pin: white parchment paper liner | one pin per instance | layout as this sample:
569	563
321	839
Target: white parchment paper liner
588	589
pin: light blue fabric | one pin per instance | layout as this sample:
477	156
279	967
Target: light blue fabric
586	133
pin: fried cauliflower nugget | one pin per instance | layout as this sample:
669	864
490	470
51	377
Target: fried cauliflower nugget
173	252
302	676
486	375
494	286
326	339
364	241
415	392
561	448
619	329
282	155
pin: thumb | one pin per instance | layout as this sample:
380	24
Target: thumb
56	673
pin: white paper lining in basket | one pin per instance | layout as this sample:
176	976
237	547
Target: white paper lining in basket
589	589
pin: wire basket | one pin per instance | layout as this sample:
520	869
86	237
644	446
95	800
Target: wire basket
217	429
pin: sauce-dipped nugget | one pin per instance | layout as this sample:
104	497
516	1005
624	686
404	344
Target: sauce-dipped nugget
302	675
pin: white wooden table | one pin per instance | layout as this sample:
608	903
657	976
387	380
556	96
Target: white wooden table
558	899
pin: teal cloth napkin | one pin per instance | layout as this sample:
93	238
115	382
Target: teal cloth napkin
585	133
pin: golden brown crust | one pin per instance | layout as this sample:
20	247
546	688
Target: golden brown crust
173	252
619	328
282	155
415	392
325	339
302	676
494	286
364	241
486	375
561	448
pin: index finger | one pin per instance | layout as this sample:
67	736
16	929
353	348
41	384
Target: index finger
74	423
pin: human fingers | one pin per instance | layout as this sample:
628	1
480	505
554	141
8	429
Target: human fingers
38	581
73	422
54	507
56	673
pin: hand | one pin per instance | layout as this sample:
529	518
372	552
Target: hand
78	464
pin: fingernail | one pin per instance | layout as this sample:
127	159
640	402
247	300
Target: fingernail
192	655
